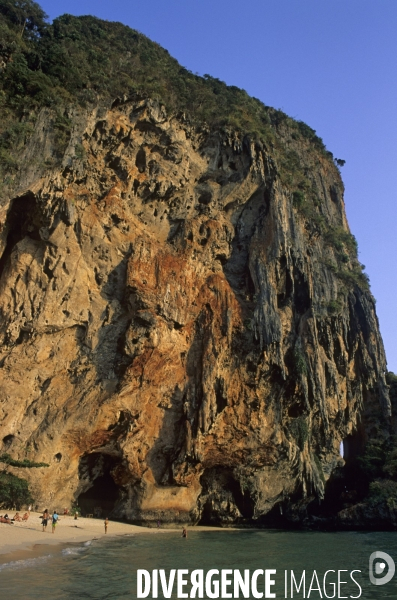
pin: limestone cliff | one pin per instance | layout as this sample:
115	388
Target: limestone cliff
186	332
181	337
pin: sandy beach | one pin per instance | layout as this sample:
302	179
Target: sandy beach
27	540
23	540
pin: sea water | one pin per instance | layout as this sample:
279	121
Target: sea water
107	569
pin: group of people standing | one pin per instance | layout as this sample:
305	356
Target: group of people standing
47	517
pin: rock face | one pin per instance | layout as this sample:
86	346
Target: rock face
178	337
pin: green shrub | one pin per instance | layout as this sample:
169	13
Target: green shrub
390	466
372	461
383	490
14	491
300	431
298	198
7	161
62	128
28	17
300	364
339	238
310	134
25	463
315	220
334	307
391	378
75	509
354	277
79	151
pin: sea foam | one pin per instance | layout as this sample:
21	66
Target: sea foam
21	564
73	551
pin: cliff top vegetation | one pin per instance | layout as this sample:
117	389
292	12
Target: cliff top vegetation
82	59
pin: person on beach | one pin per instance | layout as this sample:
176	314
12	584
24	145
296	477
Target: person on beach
106	522
6	519
184	532
54	520
44	519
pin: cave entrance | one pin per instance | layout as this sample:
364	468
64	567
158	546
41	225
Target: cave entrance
222	492
23	220
97	470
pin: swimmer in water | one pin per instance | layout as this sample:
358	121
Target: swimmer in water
184	532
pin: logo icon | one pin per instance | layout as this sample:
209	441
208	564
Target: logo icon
377	568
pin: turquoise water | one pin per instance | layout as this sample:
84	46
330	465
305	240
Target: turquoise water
106	569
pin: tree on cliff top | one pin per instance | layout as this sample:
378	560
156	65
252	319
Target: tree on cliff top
26	15
82	59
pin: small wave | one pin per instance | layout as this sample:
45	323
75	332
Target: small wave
21	564
73	551
88	543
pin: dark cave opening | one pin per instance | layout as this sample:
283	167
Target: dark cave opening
22	220
220	396
347	484
284	297
101	497
7	440
353	446
222	491
140	160
302	300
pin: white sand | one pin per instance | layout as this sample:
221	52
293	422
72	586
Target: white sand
29	536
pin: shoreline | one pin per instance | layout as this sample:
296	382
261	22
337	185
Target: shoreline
29	540
23	541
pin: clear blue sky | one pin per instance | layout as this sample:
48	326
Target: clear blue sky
330	63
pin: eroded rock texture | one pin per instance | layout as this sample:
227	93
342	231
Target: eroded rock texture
176	341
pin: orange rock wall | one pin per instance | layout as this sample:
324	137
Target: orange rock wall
156	298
